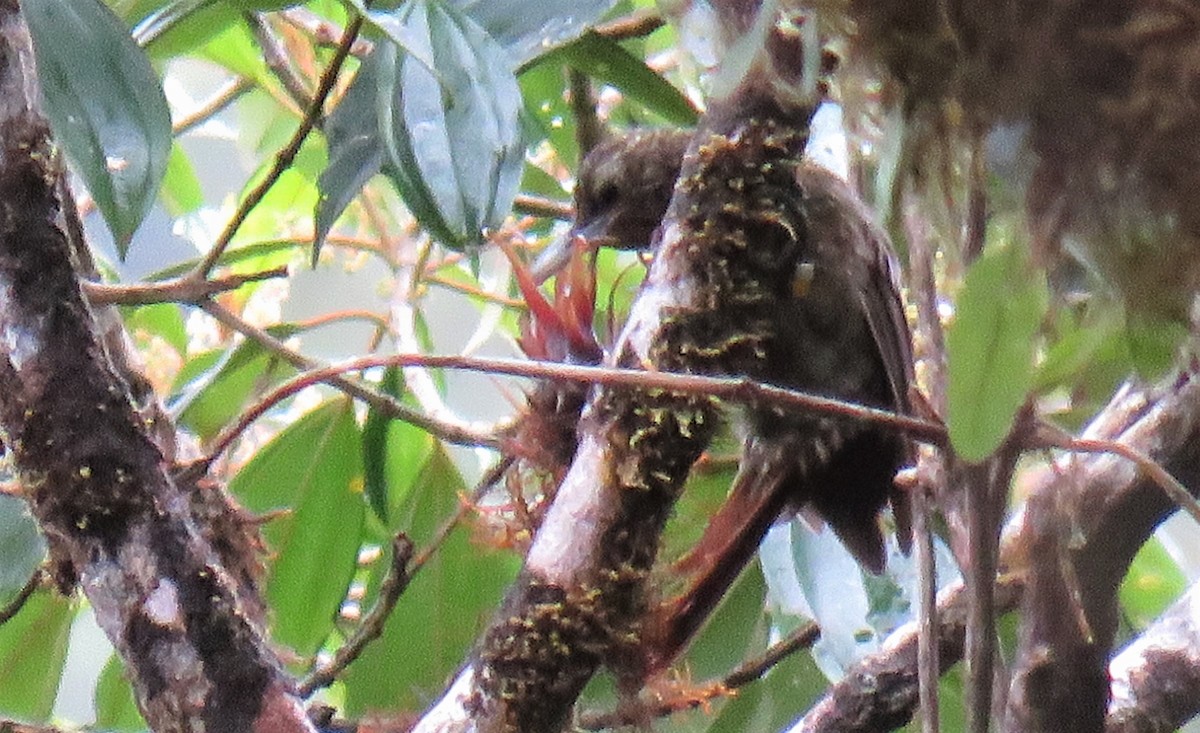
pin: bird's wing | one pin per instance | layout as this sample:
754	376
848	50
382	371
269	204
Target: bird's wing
889	329
885	317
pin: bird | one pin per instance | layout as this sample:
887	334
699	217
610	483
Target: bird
622	190
840	333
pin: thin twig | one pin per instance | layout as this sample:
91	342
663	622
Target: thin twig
923	286
543	207
737	389
589	131
748	671
1055	437
980	643
635	25
475	292
977	204
18	602
224	97
448	431
401	572
276	58
397	578
175	290
285	157
986	487
928	669
323	32
326	319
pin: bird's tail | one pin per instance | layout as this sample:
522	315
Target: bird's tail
727	545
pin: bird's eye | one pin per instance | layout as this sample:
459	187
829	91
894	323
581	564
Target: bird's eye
606	196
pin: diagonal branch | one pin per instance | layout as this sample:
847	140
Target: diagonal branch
581	597
95	479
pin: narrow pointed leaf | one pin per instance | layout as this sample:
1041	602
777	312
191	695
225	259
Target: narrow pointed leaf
105	104
607	61
390	446
453	135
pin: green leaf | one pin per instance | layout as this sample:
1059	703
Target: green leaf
1087	359
132	11
453	138
218	385
787	690
295	190
312	469
735	631
527	28
116	709
181	188
33	647
441	612
395	26
356	152
544	87
21	547
1154	343
105	104
182	26
394	453
235	48
262	5
235	258
705	492
1152	584
952	702
164	320
375	444
605	60
990	349
437	111
1079	344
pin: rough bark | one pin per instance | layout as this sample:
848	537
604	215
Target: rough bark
1116	509
96	481
1156	678
582	595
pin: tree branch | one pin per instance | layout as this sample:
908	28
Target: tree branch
394	582
1117	508
286	155
175	290
580	598
96	481
388	405
1156	678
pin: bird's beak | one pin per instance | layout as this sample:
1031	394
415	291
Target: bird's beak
553	258
557	254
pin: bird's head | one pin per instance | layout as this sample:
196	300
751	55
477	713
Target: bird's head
621	194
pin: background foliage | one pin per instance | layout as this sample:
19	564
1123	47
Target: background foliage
456	107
